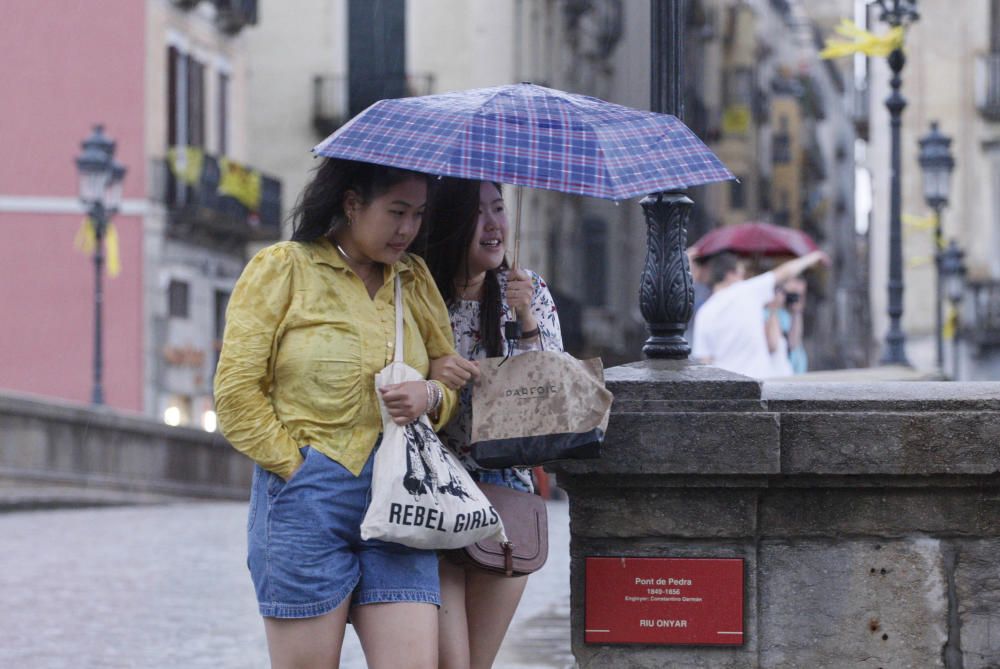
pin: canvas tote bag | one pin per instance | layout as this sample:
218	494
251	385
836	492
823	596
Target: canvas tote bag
538	407
421	494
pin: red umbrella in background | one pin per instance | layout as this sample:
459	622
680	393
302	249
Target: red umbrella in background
755	238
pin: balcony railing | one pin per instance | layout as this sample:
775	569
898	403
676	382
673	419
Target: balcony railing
988	86
332	103
215	197
984	330
231	16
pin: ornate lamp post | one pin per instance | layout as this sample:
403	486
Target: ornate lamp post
666	294
100	191
896	13
953	275
936	165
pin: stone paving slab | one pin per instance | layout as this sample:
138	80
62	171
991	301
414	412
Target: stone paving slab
166	586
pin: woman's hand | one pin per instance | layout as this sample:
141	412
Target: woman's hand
454	371
519	292
405	402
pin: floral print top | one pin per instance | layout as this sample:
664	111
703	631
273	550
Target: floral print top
465	324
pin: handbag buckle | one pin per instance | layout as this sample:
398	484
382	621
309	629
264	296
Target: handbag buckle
508	557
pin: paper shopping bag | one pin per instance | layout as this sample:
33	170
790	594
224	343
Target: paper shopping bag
538	407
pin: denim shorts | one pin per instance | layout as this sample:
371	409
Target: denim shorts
305	551
505	477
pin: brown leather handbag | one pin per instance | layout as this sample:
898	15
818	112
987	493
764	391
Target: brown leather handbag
526	524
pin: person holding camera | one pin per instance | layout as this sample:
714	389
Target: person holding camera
791	321
727	331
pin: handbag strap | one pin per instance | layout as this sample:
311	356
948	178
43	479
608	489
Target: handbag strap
399	320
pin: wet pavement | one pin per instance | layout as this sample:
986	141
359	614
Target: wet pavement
166	586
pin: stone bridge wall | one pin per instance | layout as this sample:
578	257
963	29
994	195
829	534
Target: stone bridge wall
49	441
868	516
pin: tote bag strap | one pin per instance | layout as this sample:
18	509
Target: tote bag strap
399	320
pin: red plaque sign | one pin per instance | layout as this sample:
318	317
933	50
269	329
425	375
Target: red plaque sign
665	601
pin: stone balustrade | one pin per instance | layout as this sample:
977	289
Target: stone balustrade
49	441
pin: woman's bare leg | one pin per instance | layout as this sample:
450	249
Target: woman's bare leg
490	603
453	626
398	635
307	643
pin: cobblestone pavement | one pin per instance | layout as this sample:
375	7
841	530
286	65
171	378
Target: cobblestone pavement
166	586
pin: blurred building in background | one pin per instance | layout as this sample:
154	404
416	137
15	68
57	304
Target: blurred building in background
216	103
952	75
169	81
756	93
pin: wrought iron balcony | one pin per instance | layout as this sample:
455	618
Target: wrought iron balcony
332	104
233	16
988	86
984	330
216	199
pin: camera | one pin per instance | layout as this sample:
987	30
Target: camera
792	298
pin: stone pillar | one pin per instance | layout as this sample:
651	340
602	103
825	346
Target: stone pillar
867	515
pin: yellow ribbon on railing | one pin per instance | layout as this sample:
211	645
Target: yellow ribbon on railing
86	241
185	162
240	182
862	41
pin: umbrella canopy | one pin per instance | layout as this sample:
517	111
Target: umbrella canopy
528	135
755	238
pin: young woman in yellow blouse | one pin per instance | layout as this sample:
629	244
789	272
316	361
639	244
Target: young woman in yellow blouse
309	324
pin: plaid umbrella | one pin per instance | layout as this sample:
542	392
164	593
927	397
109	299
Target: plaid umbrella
528	135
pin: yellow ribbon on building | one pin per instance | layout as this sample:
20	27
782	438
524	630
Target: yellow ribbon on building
86	241
919	261
921	223
736	120
860	40
239	182
185	162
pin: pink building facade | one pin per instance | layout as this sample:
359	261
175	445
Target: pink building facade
58	80
163	77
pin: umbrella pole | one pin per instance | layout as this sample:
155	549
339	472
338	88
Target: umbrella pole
517	227
512	329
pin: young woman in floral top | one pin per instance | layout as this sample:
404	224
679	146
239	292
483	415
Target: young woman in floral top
467	231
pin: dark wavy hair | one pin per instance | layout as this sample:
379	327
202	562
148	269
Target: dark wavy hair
320	208
449	227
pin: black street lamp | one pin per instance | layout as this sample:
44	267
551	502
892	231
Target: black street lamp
896	13
666	293
101	192
953	275
936	165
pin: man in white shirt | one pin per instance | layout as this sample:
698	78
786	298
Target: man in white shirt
728	329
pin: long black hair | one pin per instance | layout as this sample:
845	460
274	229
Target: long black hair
320	208
449	228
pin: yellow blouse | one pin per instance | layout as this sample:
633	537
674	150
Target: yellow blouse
303	343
